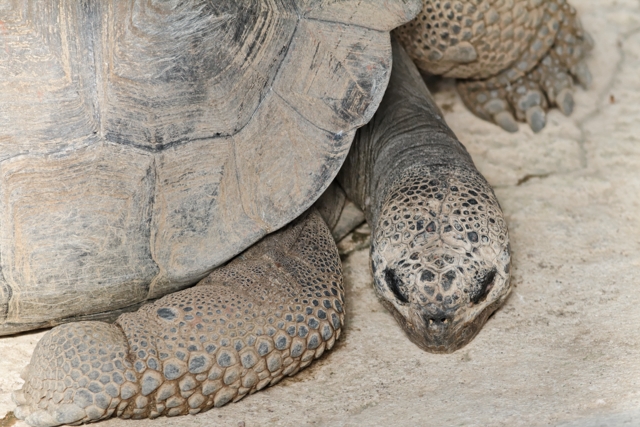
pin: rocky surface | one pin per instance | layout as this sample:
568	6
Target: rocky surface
564	350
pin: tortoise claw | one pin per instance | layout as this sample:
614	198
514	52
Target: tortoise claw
565	102
22	411
582	73
536	118
505	120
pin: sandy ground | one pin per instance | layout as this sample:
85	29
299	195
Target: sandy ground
564	350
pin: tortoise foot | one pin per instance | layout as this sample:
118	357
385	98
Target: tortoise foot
549	84
266	315
78	373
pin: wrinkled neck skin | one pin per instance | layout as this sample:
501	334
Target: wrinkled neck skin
439	252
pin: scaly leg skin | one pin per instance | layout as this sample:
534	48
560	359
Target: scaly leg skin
266	315
548	84
521	56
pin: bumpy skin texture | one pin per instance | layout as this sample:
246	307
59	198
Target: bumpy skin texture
440	258
518	58
440	250
440	255
266	315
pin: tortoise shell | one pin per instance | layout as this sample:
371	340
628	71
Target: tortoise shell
145	142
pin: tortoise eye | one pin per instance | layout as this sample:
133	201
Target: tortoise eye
485	284
394	283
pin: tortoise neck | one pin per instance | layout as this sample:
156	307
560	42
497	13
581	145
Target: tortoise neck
408	131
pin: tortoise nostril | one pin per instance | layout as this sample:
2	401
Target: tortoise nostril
437	321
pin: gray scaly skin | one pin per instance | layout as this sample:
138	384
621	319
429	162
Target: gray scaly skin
440	252
439	255
267	314
517	58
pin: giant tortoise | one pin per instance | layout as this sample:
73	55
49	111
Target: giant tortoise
146	143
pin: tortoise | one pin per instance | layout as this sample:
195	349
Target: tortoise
195	176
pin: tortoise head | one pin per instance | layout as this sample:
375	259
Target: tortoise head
440	257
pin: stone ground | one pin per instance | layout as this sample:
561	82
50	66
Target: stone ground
564	350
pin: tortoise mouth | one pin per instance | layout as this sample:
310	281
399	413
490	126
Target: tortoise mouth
440	331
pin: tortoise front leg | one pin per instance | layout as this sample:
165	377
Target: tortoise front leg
265	315
516	59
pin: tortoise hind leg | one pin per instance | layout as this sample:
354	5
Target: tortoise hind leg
265	315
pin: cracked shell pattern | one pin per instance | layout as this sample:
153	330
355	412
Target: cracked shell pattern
441	246
265	315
